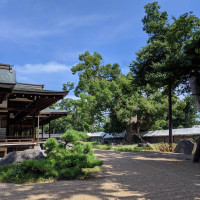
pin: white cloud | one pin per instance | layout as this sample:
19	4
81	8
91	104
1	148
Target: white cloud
50	67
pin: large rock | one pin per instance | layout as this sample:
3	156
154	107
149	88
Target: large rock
20	156
186	146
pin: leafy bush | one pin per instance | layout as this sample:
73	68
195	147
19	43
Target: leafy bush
60	163
72	136
164	147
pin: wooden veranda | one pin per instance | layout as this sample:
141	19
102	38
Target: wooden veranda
23	108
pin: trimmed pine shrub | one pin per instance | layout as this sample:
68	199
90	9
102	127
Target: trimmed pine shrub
60	163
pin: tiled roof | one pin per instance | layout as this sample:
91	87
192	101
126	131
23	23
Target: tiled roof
32	88
175	132
115	135
106	135
97	134
53	111
7	76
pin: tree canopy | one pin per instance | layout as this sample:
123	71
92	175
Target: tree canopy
112	101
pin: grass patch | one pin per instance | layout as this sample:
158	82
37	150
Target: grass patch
90	171
127	148
132	148
162	147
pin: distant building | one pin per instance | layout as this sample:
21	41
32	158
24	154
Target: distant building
114	138
23	110
177	134
103	137
96	137
149	136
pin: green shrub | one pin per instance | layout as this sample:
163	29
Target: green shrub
60	163
164	147
72	136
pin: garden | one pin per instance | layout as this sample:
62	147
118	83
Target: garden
60	162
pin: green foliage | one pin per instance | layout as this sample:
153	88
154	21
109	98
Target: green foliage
60	163
109	100
51	144
73	136
167	58
163	147
128	148
135	149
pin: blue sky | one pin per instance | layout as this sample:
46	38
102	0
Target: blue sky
43	38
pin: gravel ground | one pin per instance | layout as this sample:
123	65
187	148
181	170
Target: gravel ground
127	175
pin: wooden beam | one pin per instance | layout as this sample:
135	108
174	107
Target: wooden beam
17	109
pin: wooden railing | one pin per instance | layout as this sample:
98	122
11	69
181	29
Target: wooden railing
15	139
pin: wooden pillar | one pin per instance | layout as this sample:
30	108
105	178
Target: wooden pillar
8	122
38	130
33	127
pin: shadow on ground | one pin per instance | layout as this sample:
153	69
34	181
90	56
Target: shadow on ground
127	175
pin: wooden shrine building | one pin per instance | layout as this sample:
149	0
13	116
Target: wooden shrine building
23	107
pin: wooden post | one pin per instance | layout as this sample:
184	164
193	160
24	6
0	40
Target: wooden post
170	116
5	151
38	130
7	127
33	127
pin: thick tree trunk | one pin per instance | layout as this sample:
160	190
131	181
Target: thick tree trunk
195	88
129	130
133	131
129	134
170	116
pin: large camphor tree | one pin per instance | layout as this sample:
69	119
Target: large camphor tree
107	93
113	95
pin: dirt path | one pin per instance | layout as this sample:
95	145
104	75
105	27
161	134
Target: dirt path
128	175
